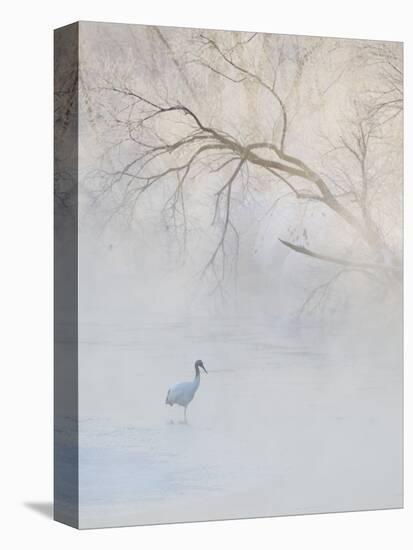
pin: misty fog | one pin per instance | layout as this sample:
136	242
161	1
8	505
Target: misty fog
240	202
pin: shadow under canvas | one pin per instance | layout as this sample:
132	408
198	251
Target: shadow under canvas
43	508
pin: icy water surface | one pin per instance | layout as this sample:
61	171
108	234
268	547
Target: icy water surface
285	422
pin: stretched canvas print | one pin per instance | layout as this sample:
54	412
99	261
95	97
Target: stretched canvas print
228	274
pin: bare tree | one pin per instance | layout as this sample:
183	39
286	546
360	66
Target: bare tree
343	181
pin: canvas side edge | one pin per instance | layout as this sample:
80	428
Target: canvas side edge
66	436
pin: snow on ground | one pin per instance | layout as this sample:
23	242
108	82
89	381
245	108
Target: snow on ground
285	422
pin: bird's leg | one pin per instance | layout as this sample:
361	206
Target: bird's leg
185	418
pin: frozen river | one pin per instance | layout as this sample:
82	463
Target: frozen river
286	422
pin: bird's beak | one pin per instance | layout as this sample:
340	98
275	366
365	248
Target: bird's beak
204	369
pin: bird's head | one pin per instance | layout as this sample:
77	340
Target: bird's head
199	364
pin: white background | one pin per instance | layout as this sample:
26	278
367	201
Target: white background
27	267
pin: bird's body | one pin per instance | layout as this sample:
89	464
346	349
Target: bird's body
183	393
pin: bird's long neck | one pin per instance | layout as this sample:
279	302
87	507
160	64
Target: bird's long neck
197	378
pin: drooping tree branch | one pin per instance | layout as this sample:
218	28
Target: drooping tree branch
227	219
284	163
332	259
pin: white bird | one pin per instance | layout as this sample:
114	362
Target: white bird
183	393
